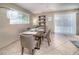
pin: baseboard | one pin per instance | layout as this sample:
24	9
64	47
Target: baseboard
9	44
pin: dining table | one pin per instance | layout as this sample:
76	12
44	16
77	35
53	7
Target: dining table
37	33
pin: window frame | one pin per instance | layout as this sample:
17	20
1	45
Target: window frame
21	13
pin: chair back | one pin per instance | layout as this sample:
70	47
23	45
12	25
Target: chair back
48	33
28	41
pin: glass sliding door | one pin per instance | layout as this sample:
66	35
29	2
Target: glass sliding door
65	23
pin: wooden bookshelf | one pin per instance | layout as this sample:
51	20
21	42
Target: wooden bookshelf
42	22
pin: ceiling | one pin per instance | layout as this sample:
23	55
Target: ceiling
47	7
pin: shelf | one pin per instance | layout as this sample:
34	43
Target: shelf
42	21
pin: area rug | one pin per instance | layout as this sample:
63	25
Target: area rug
76	43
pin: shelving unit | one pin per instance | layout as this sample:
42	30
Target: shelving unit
42	22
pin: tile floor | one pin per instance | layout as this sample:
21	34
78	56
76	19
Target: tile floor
60	45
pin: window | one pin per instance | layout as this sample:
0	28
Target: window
17	17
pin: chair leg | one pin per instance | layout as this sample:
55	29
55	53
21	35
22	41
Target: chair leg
48	39
33	51
42	38
38	44
22	51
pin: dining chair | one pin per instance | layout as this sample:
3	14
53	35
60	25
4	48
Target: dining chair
39	39
29	42
25	29
47	36
28	28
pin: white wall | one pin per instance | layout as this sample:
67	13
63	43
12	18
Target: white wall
77	23
8	32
